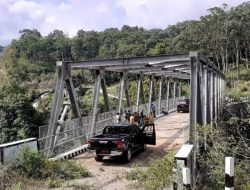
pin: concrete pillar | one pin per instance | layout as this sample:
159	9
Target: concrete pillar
229	173
95	102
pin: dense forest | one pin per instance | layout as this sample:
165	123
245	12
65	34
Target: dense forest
27	65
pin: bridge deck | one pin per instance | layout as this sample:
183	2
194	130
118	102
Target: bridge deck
110	174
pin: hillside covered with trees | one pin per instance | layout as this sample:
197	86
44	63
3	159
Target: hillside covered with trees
27	65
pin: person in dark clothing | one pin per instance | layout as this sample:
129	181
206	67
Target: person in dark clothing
141	118
153	109
128	114
164	112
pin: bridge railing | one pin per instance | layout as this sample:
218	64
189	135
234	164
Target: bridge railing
72	132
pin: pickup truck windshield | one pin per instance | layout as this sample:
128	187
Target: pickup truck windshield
116	130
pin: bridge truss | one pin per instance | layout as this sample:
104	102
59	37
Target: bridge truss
206	81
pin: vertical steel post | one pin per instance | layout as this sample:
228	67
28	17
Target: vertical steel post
142	91
104	90
218	94
71	90
211	95
167	96
126	91
55	111
215	97
204	95
160	95
174	94
139	83
179	90
73	100
150	93
194	64
121	91
95	102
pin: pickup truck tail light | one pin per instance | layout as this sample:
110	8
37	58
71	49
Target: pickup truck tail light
120	144
89	143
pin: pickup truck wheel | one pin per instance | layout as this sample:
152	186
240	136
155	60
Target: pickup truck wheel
99	158
127	155
144	147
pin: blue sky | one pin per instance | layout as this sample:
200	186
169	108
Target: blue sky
72	15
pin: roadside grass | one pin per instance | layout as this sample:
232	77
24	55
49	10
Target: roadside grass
157	175
32	170
238	88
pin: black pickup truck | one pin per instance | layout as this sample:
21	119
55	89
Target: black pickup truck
183	106
122	141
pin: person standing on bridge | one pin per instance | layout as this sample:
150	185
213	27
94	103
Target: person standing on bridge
117	118
128	114
152	109
132	120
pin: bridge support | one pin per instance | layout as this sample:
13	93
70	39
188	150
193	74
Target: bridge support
55	112
215	97
204	94
122	80
64	77
95	102
174	94
126	91
139	84
211	96
160	95
194	108
179	89
150	93
167	95
104	90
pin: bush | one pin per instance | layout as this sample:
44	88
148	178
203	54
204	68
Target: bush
64	170
33	165
30	163
158	174
244	89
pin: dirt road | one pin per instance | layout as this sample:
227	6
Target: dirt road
109	174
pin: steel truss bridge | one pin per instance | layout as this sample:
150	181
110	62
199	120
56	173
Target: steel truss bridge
206	81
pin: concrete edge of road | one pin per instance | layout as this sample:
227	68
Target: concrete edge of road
71	153
79	150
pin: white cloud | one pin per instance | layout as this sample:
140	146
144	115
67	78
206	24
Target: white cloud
26	8
72	15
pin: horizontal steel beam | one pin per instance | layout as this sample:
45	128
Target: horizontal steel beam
134	60
177	66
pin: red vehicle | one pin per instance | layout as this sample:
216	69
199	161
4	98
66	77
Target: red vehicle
183	106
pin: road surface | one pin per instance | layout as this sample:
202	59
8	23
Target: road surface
110	174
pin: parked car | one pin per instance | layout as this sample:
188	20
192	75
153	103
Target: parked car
183	106
122	141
